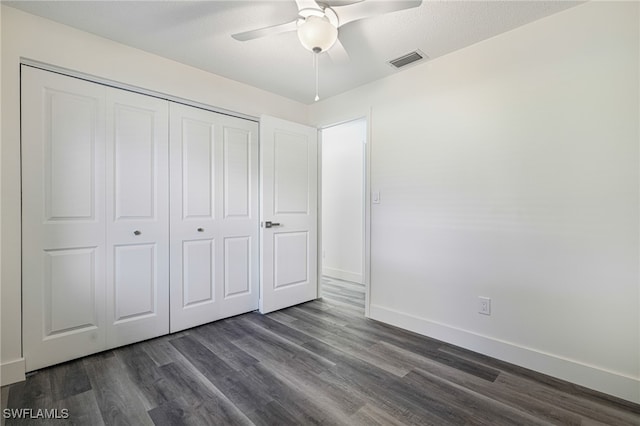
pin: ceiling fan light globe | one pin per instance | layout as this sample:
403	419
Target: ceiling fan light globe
317	33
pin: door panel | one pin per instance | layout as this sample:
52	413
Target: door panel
71	121
69	272
137	217
289	172
63	220
198	265
237	266
214	183
134	144
237	173
135	282
291	255
198	190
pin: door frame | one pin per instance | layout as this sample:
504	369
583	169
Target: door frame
366	252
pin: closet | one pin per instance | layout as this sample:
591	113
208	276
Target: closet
139	217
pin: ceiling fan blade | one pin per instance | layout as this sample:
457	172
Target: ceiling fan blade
307	4
262	32
367	9
338	53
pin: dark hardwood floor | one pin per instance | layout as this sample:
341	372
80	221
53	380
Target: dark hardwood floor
318	363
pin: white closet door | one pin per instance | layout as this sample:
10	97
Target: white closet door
63	218
239	232
214	216
137	217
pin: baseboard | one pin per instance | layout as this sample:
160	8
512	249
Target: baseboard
621	386
342	275
12	372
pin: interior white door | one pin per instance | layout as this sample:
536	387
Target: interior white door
214	216
289	204
137	192
63	217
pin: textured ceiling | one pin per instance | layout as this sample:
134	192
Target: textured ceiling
198	33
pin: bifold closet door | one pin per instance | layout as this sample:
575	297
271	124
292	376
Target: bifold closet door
63	218
137	217
94	171
214	216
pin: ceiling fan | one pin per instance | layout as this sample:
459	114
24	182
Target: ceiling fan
317	23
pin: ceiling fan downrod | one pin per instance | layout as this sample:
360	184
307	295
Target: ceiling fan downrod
317	71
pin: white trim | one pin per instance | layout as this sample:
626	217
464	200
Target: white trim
320	261
609	382
119	85
12	372
367	216
342	275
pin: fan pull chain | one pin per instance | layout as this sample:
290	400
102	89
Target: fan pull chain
316	68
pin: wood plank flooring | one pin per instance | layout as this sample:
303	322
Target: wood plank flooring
344	293
317	363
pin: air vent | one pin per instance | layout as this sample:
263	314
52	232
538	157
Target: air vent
407	59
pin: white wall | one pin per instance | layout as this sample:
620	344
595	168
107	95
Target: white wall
510	170
342	200
31	37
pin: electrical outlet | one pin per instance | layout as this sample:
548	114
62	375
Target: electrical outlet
484	305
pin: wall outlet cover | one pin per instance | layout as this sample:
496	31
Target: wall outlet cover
484	305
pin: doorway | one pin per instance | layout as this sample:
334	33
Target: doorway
344	215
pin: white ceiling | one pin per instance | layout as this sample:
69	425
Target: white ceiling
198	33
